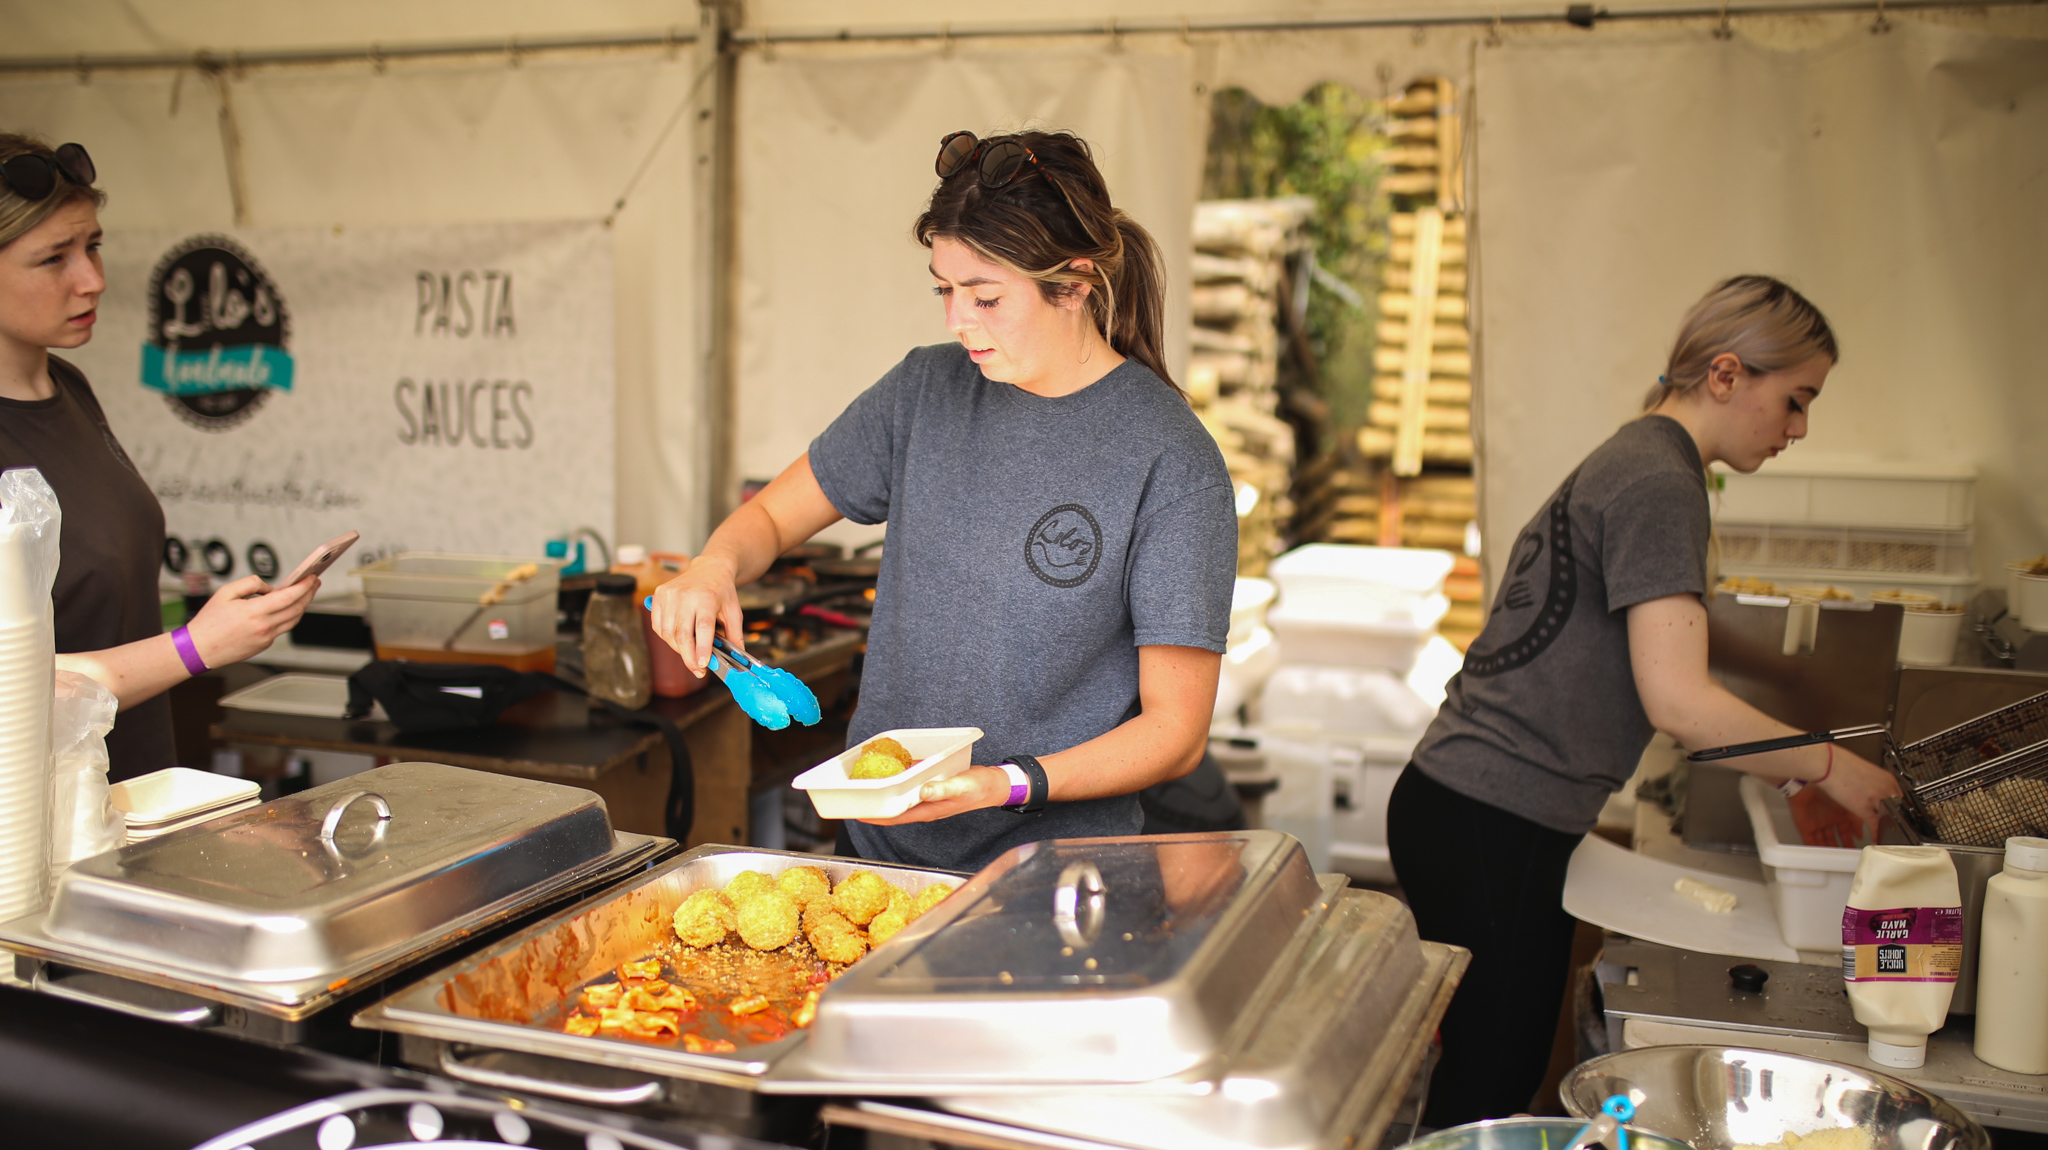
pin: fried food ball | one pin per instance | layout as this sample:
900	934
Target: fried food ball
871	765
885	925
805	884
929	897
835	939
861	896
746	885
890	747
705	918
768	920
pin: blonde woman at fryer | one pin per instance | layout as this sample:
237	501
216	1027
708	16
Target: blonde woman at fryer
1598	635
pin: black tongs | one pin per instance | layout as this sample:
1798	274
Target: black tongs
1785	744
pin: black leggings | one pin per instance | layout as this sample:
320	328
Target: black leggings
1481	878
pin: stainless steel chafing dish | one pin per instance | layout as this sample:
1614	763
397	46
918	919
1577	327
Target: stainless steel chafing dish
260	920
1183	990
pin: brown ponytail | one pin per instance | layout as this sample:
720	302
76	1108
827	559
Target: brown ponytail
1044	220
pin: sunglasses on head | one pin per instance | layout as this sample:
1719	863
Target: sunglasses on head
33	176
998	164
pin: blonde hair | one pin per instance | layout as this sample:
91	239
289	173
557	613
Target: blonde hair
1759	320
18	216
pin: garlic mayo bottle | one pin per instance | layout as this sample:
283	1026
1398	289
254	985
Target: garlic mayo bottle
1902	947
2012	962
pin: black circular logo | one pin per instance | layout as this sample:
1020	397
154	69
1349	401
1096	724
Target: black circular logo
218	329
1065	546
1547	621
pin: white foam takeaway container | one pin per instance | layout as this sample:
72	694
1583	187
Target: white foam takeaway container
1339	580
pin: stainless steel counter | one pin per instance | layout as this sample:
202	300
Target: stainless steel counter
1657	994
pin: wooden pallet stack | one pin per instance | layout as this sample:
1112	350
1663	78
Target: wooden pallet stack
1407	482
1241	252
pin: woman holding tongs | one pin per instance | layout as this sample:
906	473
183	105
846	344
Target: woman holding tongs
1062	535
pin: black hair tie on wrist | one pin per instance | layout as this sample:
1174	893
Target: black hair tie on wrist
1034	774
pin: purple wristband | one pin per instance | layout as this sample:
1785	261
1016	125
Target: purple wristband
182	640
1018	793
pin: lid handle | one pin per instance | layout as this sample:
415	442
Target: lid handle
1077	904
342	804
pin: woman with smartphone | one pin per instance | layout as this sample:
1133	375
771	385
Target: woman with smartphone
108	618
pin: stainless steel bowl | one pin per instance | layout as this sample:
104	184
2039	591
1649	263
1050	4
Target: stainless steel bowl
1718	1097
1530	1134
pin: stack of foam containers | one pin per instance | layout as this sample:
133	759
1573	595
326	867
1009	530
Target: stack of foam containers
1361	673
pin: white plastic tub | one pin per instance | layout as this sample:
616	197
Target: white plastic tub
1809	885
1928	638
2033	608
1338	580
1249	599
320	696
1391	644
941	753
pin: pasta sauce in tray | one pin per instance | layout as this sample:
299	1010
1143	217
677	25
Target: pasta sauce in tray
742	965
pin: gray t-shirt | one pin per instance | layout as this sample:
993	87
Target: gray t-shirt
1544	720
1034	545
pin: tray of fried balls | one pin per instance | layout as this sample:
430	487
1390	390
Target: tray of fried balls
747	960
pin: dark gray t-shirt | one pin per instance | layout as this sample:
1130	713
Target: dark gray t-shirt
1544	720
1034	545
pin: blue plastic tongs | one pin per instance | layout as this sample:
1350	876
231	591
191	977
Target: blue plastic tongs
770	696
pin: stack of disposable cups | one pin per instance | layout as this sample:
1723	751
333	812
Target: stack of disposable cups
27	681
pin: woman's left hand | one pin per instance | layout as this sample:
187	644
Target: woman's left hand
970	790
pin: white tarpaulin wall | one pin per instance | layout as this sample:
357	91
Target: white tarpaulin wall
836	145
467	141
1899	180
1617	172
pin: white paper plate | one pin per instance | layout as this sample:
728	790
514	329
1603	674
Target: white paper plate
177	793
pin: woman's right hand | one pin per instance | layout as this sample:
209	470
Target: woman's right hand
1859	785
245	617
689	608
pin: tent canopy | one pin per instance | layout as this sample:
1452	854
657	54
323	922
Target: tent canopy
1616	173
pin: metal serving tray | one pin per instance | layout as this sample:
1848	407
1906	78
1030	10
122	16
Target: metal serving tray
1087	961
1324	1063
487	999
286	906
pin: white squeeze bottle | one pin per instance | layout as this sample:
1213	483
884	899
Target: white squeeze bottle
1902	946
2012	962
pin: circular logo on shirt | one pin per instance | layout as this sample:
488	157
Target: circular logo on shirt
217	331
1065	546
1537	598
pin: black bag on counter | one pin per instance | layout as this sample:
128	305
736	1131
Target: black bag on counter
438	698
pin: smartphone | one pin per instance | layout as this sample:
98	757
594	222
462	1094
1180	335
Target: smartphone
321	559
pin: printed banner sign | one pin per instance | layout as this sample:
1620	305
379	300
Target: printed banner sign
435	388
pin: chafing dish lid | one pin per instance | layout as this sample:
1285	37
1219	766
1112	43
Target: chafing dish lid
331	877
1081	913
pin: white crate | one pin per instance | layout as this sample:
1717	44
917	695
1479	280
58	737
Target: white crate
1815	547
1809	885
1950	589
1340	702
1852	493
